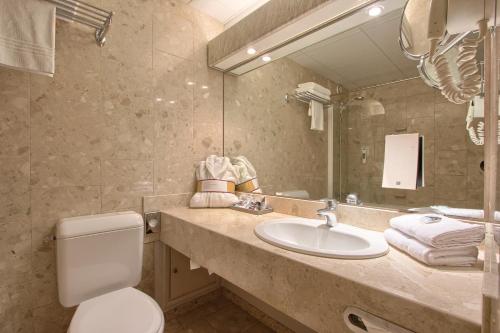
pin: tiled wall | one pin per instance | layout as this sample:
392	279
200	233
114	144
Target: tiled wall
274	135
452	173
98	137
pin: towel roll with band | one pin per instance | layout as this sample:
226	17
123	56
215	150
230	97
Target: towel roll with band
216	178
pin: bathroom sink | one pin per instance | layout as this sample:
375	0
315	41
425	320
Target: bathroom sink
314	237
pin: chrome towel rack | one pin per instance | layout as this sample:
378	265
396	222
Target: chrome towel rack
306	97
87	14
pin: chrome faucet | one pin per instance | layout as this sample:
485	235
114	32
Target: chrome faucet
329	212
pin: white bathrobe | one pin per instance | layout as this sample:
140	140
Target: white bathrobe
247	176
216	175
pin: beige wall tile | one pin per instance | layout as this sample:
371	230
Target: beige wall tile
15	249
450	125
275	136
14	189
413	107
175	176
14	118
422	105
168	23
130	41
208	140
125	182
15	224
57	170
451	188
451	162
97	137
52	318
16	313
162	202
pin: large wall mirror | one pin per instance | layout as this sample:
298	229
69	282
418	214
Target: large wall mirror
376	91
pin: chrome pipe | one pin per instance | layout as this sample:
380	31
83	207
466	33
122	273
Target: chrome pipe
77	10
79	19
69	14
74	7
82	4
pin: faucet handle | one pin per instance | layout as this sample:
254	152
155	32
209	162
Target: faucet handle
330	203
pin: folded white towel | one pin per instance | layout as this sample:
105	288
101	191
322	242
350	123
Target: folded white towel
316	113
443	232
313	86
27	35
464	256
463	212
300	91
216	189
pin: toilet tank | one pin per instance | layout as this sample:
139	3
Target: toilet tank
97	254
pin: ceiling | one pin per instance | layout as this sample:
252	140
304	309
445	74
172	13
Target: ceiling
363	56
228	12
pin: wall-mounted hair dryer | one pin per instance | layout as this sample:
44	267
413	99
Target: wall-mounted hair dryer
469	83
449	22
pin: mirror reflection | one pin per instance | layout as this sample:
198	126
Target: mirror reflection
320	123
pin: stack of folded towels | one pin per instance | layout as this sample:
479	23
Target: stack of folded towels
436	240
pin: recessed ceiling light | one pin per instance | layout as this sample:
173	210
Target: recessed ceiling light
172	102
204	87
375	10
251	50
190	83
266	58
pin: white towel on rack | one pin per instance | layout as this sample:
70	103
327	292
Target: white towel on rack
314	87
464	256
27	35
316	114
305	92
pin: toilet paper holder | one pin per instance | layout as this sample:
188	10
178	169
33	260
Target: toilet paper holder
359	321
152	222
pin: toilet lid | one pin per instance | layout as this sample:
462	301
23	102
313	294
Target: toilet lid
126	311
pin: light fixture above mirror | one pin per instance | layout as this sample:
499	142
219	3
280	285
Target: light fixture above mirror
316	25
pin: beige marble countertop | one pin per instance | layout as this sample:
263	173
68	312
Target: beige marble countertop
449	294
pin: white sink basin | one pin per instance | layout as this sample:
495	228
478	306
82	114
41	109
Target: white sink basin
314	237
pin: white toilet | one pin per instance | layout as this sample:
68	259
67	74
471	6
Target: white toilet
99	260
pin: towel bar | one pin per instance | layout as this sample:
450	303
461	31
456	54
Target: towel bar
87	14
306	97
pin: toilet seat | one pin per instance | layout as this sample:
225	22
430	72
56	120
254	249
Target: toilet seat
127	310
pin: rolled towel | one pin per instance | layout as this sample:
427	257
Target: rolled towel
463	256
439	231
216	183
247	176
